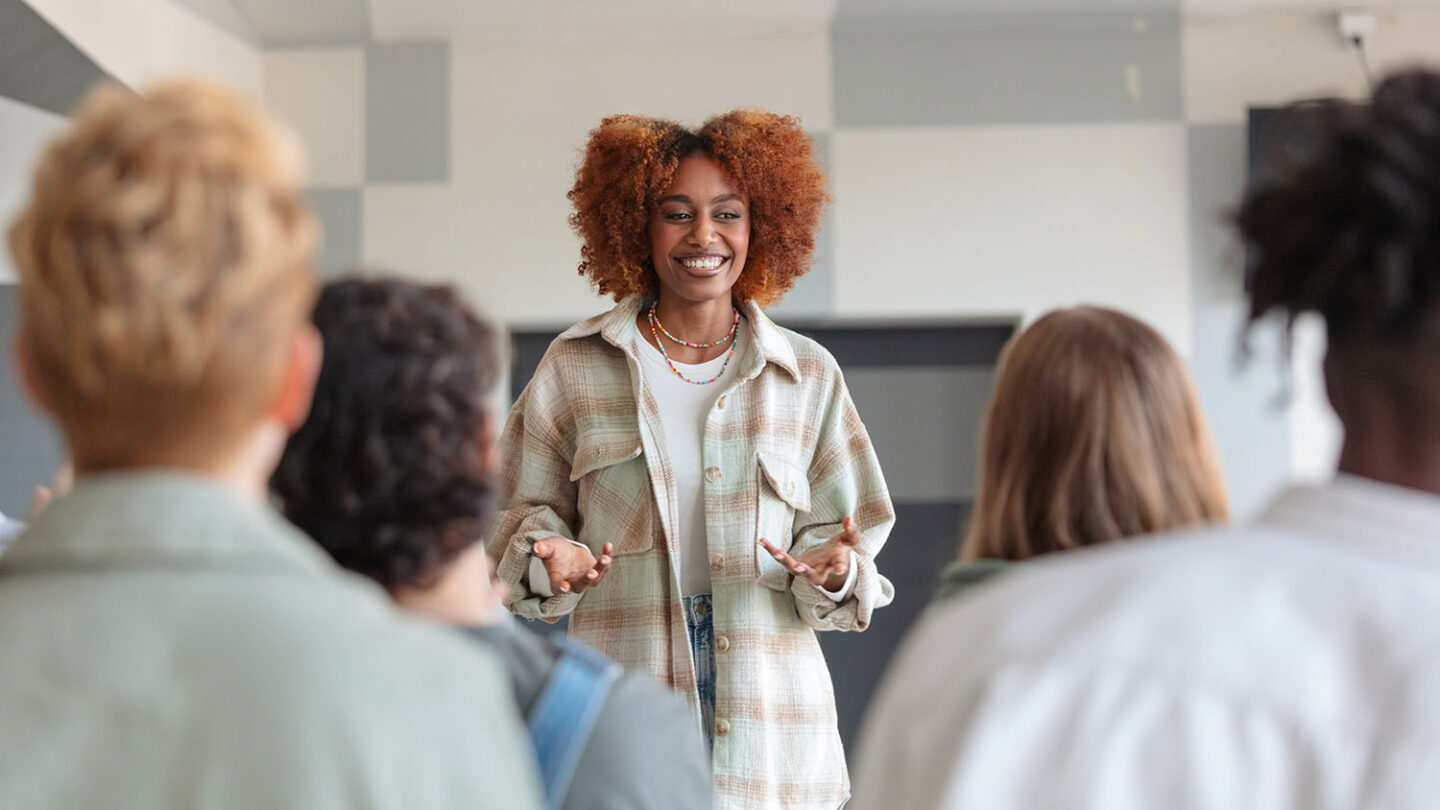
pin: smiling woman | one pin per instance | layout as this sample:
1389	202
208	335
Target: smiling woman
712	459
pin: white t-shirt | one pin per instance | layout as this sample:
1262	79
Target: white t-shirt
684	407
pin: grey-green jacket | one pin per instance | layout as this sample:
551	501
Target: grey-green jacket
166	644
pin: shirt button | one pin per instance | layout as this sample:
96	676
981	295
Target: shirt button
721	403
712	474
722	727
722	643
717	562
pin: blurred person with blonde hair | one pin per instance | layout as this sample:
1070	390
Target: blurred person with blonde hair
170	641
1094	433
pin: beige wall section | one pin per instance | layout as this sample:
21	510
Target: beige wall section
320	93
1231	63
520	115
999	220
141	41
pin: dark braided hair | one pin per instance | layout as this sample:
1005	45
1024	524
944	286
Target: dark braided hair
1350	225
386	473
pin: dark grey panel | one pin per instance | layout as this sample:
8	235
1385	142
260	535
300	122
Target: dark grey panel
1242	401
925	425
1006	68
407	113
30	449
925	539
339	211
38	65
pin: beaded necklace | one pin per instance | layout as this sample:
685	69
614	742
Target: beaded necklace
656	328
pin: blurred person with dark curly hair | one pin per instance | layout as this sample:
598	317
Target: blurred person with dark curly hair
689	482
392	474
1291	663
170	642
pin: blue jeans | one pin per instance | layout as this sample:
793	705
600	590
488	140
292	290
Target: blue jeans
700	616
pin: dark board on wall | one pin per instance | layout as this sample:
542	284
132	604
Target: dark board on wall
30	450
888	368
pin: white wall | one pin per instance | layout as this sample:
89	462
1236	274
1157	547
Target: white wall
24	131
141	41
521	113
961	221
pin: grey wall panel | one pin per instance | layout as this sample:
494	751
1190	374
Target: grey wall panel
40	66
924	540
30	449
407	113
1007	69
339	212
1242	401
924	423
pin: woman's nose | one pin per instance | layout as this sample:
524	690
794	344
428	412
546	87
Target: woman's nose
703	233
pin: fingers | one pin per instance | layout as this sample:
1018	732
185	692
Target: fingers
595	575
849	535
39	500
797	567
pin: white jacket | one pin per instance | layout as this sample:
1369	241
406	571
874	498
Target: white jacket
1294	663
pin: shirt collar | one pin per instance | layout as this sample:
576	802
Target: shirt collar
618	328
161	518
1352	509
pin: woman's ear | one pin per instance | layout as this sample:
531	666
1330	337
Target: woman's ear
297	387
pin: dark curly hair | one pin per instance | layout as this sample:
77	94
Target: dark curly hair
1350	225
630	161
386	473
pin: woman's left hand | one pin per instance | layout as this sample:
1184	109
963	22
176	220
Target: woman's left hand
826	565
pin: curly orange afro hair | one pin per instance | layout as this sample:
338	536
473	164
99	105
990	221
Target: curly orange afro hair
629	163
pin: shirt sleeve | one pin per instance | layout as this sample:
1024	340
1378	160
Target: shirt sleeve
845	481
844	592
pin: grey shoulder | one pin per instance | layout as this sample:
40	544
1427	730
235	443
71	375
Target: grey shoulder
645	752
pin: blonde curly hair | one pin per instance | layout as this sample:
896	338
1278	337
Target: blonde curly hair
164	259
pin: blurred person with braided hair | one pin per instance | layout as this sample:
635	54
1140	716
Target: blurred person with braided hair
1290	663
688	482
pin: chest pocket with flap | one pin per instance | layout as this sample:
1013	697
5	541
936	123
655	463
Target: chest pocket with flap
615	501
784	490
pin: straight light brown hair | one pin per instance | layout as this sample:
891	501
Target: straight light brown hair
1094	433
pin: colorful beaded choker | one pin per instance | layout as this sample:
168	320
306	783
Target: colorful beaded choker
734	326
656	329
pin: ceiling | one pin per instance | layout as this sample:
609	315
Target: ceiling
292	23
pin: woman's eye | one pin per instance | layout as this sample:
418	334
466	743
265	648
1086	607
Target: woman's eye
728	215
677	216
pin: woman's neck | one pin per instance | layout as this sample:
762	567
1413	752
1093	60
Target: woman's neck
703	322
464	594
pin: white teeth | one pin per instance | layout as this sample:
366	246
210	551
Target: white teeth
703	263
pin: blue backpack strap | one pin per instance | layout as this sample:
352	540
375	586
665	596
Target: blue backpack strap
563	716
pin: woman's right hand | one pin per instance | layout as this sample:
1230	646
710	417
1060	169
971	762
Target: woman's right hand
572	568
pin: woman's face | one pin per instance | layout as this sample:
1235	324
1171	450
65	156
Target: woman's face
699	233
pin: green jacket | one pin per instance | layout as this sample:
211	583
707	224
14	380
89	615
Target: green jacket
169	645
959	576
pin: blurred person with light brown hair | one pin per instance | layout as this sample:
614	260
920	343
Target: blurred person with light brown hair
169	641
1094	433
1292	663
